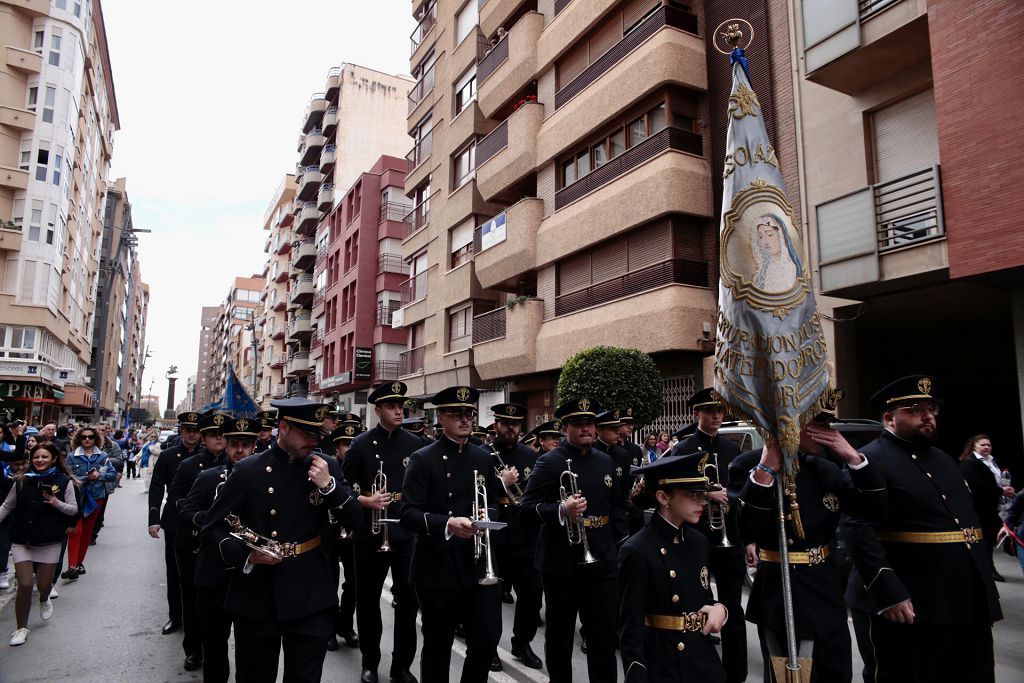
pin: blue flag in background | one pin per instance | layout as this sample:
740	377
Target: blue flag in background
771	357
236	399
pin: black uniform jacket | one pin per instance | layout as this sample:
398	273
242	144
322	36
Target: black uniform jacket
276	499
210	568
184	477
947	582
163	474
822	492
596	481
653	570
987	494
519	537
722	451
620	457
362	461
439	484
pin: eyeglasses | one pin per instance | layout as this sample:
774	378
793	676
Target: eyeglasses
698	496
460	414
919	409
88	436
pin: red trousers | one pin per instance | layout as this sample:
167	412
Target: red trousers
78	542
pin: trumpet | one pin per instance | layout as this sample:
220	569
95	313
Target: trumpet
254	539
378	527
482	543
575	530
717	511
343	533
515	493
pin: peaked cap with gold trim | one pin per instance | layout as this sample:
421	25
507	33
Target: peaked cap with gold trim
456	397
509	411
905	390
303	413
241	427
389	391
189	419
678	472
576	409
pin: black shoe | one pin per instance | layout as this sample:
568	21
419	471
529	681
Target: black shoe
70	574
507	598
496	664
527	656
80	569
368	676
193	662
332	644
460	632
170	627
351	638
996	576
403	677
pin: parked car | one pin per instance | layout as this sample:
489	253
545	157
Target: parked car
164	433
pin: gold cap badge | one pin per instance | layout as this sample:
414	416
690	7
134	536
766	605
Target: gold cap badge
462	394
925	385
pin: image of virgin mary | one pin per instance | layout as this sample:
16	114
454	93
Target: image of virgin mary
775	259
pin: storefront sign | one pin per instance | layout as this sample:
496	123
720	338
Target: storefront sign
492	232
363	363
26	391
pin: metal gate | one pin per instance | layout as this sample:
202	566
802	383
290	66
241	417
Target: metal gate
675	393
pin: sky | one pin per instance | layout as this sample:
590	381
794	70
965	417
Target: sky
210	97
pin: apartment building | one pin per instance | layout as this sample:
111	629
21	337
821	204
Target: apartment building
359	271
233	341
58	114
277	222
562	183
910	185
206	364
122	302
345	129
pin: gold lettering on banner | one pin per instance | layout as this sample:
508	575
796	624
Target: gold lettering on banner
741	156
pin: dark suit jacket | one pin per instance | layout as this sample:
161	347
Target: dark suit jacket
721	452
163	474
987	495
184	477
210	568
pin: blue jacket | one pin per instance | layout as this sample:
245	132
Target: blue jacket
81	464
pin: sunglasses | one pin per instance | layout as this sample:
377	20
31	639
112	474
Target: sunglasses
88	436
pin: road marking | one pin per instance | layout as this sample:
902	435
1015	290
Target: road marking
459	648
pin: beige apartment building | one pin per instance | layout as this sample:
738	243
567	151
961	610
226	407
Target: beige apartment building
205	364
58	114
273	322
233	339
562	182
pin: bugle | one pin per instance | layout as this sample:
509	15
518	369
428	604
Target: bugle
575	530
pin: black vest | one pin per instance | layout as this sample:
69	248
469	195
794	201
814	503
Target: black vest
35	522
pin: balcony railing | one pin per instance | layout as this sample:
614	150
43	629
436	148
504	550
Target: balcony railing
411	362
665	16
490	325
420	151
392	263
417	218
386	370
317	340
426	23
869	8
318	296
385	311
278	391
422	88
394	211
414	289
495	141
908	210
667	138
680	271
314	382
492	60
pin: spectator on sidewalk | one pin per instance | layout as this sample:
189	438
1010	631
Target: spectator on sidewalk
10	469
41	504
150	452
116	458
983	476
91	466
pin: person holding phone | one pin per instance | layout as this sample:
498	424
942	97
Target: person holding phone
89	464
42	505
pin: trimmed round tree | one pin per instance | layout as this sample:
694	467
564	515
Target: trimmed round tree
615	378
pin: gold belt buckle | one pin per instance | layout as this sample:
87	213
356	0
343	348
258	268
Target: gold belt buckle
287	549
815	556
970	535
694	621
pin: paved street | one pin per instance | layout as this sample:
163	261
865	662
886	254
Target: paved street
106	625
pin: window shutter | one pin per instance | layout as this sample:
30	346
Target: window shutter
605	37
609	260
462	234
906	137
650	245
574	273
687	241
635	11
466	20
572	65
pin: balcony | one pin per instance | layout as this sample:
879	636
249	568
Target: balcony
505	340
386	371
317	340
327	157
283	274
325	197
303	253
417	218
392	263
509	153
10	240
310	185
278	360
883	237
318	296
411	362
315	141
495	14
22	119
330	123
282	242
422	88
420	151
414	289
394	211
427	21
506	245
13	178
308	219
25	61
301	291
385	311
511	65
278	334
333	83
850	45
314	382
300	326
298	364
314	112
278	391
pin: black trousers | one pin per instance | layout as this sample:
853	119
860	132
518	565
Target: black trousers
258	645
592	593
520	574
371	570
341	554
478	608
100	514
193	640
215	622
173	585
832	660
729	570
861	631
130	470
932	653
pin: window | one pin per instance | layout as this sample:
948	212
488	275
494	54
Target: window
33	98
21	338
50	98
61	4
37	42
464	163
462	242
25	160
55	48
465	20
51	224
78	8
460	328
603	38
35	221
465	91
57	165
28	283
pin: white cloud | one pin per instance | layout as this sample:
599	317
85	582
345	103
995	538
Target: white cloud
210	97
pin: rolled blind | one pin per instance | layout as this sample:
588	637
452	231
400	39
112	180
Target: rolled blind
462	234
906	137
650	245
609	260
574	273
572	65
636	11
